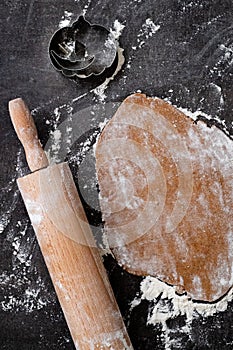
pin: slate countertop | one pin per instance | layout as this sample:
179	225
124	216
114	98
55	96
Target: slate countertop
188	61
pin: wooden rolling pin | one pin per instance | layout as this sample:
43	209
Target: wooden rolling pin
67	244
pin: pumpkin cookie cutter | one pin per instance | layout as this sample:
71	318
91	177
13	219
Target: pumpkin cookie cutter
83	50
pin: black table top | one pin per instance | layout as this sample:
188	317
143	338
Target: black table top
185	57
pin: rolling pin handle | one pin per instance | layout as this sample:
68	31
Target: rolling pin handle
27	133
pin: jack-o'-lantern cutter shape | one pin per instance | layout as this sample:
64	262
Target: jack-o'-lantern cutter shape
83	49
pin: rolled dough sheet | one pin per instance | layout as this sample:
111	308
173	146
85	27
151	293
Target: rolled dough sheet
166	195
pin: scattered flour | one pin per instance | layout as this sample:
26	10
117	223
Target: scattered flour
148	29
11	190
5	219
66	19
79	97
59	136
2	226
197	114
194	115
102	124
56	137
21	293
34	296
99	91
151	288
117	29
200	114
37	296
101	127
167	304
86	7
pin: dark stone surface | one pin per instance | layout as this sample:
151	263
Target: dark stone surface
185	61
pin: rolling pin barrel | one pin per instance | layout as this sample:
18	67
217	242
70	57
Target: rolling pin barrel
67	244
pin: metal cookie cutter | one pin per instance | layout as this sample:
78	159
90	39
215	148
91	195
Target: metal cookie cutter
83	49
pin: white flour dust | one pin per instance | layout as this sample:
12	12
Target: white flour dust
33	295
86	7
167	305
99	91
21	286
5	219
23	293
148	29
56	137
197	114
146	32
11	190
66	19
117	29
224	61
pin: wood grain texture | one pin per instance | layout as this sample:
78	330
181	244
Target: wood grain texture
171	59
26	131
73	261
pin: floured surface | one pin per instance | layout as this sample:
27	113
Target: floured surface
166	305
181	61
166	196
